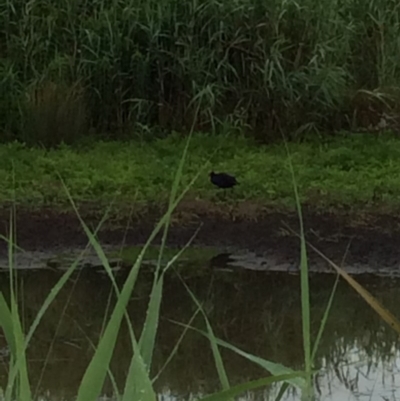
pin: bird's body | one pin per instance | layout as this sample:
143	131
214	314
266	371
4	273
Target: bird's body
223	180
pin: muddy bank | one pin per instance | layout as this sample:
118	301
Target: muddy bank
374	238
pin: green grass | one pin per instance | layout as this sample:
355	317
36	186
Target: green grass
353	170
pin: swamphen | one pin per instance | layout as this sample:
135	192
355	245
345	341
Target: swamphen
223	180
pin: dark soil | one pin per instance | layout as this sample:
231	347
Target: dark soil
370	238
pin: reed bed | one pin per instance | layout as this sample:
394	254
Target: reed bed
145	67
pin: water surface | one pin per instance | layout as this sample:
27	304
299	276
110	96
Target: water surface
257	311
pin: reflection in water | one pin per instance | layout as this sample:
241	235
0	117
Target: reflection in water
259	312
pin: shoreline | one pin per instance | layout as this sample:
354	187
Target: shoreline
366	238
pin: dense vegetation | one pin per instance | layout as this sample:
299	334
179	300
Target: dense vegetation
117	66
354	171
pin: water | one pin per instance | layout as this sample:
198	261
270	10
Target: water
257	311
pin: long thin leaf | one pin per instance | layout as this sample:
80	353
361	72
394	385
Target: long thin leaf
219	364
305	291
176	347
252	385
272	367
328	308
149	332
282	391
138	385
385	314
47	302
6	325
24	389
94	376
148	336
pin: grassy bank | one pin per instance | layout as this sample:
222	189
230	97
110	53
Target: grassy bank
354	171
270	65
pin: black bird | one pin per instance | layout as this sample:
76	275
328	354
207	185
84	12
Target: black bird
223	180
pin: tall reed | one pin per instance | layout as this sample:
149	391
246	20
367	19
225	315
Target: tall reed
272	65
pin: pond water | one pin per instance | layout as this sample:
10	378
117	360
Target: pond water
257	311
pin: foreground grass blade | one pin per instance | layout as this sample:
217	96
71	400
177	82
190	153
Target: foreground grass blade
172	197
386	315
282	391
47	302
176	347
11	325
138	385
327	309
19	367
272	367
110	374
252	385
148	336
141	382
305	291
149	332
6	323
324	319
94	376
135	388
219	364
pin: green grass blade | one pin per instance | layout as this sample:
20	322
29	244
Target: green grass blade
282	391
325	318
172	197
327	309
110	374
223	377
24	388
271	367
176	347
100	253
138	385
149	332
48	301
103	258
9	242
305	291
90	387
92	237
252	385
20	367
148	336
219	364
6	323
93	379
385	314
